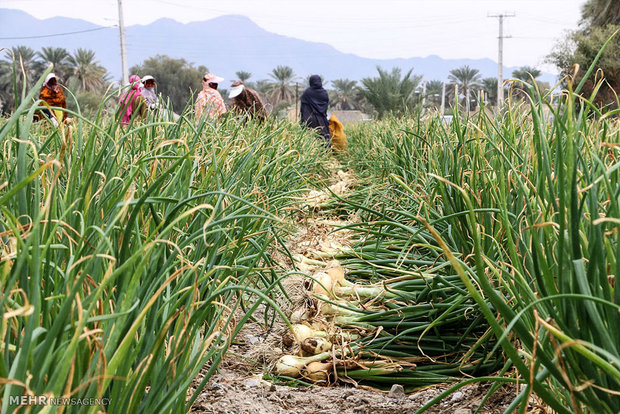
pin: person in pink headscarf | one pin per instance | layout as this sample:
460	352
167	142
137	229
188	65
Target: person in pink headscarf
131	102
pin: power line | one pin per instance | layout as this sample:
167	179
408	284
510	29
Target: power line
56	34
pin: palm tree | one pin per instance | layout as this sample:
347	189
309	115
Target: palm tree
28	67
6	87
243	75
344	94
434	89
467	79
523	74
282	90
489	85
90	75
59	57
526	73
388	93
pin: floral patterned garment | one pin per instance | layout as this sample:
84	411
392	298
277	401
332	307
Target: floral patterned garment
209	103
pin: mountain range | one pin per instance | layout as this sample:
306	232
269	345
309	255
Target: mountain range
225	44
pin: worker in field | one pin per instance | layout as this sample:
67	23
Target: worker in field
52	95
152	101
209	102
132	104
313	110
247	101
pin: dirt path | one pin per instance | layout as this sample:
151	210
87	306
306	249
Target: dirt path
240	387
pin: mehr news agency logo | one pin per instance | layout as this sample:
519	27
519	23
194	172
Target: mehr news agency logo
29	400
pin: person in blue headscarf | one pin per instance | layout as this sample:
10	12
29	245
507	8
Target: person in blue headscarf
314	104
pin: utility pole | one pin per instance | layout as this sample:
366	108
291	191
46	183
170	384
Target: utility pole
500	57
296	100
121	25
423	96
443	99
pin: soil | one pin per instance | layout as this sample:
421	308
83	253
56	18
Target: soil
242	384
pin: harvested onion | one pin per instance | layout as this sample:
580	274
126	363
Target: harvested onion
291	365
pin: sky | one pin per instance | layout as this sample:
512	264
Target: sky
377	29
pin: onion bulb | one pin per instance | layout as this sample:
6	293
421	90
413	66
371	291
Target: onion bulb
291	365
318	371
301	332
323	284
314	346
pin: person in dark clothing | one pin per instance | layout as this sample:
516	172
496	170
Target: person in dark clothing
313	111
246	101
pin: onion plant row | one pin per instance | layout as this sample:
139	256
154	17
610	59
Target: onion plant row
127	252
525	208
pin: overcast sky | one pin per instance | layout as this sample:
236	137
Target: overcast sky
376	29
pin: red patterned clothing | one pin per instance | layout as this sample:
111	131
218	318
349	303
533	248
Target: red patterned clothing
209	103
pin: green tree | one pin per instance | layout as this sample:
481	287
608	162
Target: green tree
489	86
391	92
27	71
243	75
526	73
434	90
176	78
599	20
6	87
523	75
345	94
59	57
281	89
600	13
90	75
467	79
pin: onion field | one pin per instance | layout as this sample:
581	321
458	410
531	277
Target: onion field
481	250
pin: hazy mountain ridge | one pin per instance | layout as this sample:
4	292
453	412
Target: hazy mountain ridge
225	44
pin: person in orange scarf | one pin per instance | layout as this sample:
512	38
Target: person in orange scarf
52	95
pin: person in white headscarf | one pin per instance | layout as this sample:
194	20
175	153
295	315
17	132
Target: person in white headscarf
52	96
149	92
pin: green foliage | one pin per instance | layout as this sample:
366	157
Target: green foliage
281	89
600	20
468	80
243	75
59	57
79	71
345	94
127	252
600	13
526	73
91	76
176	79
526	209
390	92
434	90
489	85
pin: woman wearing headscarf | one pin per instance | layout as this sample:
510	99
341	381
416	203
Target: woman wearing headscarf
245	100
131	102
209	102
314	103
52	95
149	93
